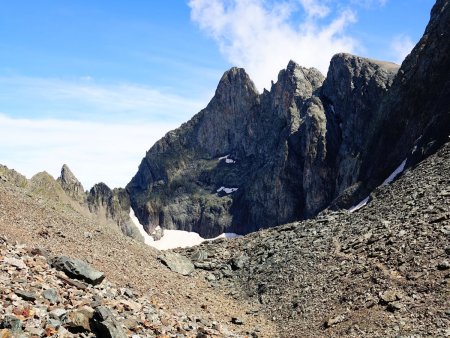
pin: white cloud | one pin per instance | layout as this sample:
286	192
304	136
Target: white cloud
261	36
87	98
107	152
401	46
67	125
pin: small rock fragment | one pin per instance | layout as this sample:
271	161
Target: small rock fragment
18	263
334	321
78	321
237	321
109	329
389	296
394	306
12	323
28	296
444	265
102	313
51	295
58	313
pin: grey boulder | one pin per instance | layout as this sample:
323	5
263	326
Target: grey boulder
177	263
78	269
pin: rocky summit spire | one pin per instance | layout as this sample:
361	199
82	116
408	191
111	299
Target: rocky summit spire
71	185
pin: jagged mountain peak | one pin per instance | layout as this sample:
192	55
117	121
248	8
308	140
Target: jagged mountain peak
352	58
12	176
298	80
235	77
235	74
277	141
234	87
71	185
294	69
349	72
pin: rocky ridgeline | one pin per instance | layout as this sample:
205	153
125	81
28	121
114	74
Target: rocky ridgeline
381	271
114	206
68	298
109	205
250	161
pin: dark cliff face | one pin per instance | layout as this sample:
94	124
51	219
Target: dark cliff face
250	161
353	90
112	205
282	148
416	113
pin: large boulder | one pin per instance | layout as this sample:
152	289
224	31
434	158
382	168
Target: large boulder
78	269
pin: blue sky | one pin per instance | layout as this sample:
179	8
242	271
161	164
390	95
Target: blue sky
95	83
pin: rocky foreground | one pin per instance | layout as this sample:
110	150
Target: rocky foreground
72	300
146	298
381	271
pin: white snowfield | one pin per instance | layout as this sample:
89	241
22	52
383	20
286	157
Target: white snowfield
387	181
174	238
227	190
147	238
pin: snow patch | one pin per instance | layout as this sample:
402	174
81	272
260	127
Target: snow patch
395	173
227	190
359	205
147	238
172	239
182	239
227	159
225	235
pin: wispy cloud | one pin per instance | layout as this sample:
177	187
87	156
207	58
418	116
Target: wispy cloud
369	3
87	99
315	9
47	122
401	46
108	152
261	36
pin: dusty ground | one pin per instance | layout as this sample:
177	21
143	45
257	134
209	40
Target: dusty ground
52	223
